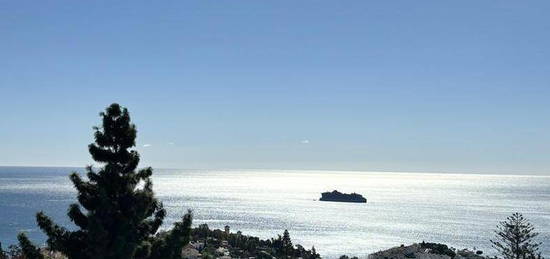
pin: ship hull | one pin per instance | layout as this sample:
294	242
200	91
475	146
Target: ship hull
336	200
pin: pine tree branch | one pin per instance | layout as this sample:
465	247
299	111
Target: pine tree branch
29	250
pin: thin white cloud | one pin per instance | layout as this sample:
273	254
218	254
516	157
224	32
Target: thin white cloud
147	145
305	141
171	143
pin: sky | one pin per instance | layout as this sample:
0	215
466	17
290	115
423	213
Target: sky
419	86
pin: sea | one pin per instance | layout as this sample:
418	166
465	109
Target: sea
460	210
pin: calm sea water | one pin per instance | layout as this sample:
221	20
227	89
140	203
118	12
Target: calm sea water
458	210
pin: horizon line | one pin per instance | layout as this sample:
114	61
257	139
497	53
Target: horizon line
310	169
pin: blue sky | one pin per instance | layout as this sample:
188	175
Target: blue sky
438	86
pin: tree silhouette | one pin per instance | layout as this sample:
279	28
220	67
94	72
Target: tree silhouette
515	238
117	215
2	253
287	247
29	250
314	253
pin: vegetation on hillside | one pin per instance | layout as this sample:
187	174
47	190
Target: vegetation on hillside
436	248
243	246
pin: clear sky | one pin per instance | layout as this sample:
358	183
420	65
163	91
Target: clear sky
437	86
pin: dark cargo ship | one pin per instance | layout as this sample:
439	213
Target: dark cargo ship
342	197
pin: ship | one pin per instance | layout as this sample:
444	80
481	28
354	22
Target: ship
342	197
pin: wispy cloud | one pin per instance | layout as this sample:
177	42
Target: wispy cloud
147	145
171	143
305	141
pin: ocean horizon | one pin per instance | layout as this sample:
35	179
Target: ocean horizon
460	210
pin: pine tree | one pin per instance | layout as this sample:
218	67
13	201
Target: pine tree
117	215
287	246
515	238
314	253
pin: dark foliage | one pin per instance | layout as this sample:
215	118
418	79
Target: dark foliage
28	249
438	249
286	244
117	215
515	238
169	244
243	246
13	252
